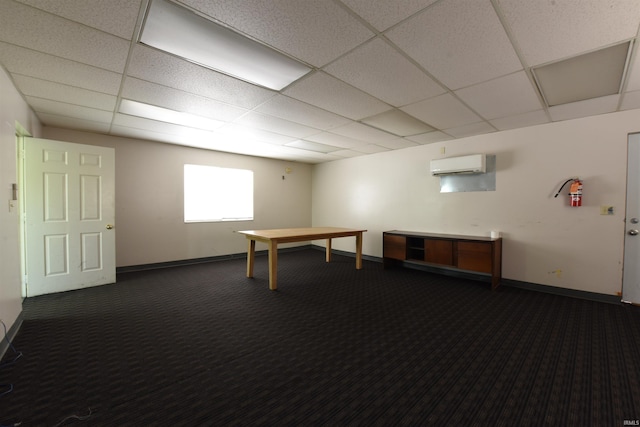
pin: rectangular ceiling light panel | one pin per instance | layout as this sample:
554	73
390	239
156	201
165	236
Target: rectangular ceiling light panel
181	32
587	76
138	109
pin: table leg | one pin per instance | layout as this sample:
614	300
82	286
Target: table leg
251	255
273	265
358	251
328	255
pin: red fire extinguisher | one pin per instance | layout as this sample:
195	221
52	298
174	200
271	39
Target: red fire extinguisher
575	192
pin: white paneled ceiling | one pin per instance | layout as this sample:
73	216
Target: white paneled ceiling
386	74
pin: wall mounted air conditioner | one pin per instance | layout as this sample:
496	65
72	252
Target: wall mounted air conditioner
475	163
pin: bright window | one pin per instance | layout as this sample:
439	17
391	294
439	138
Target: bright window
217	194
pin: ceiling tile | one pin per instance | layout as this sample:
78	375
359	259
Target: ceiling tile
298	28
60	37
325	91
336	140
275	124
117	17
631	100
521	120
430	138
382	14
398	123
252	134
633	82
37	88
590	107
471	29
312	146
346	153
47	67
471	129
174	99
298	111
157	67
364	133
441	112
550	30
374	68
501	97
55	120
370	148
398	144
69	110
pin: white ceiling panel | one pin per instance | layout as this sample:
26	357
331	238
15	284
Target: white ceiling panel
462	67
37	88
384	64
547	31
590	107
125	120
397	144
631	100
633	79
325	91
364	133
293	26
174	99
501	97
55	120
370	149
253	134
292	109
61	37
442	112
275	124
30	63
430	138
336	140
157	67
471	29
69	110
471	129
521	120
117	17
383	14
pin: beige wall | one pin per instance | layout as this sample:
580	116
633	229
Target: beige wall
13	113
545	241
149	199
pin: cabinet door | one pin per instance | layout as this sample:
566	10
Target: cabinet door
394	247
475	256
438	251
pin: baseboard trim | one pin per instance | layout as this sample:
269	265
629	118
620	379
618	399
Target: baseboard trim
179	263
11	334
592	296
573	293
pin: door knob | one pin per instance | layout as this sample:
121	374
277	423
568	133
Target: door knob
633	232
109	227
634	220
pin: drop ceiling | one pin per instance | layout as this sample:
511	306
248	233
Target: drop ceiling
385	75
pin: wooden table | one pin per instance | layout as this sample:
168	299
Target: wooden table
288	235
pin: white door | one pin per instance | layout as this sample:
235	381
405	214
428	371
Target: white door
631	273
69	216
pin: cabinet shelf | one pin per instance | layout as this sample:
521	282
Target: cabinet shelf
465	253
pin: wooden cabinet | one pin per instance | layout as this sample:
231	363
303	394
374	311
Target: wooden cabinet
465	253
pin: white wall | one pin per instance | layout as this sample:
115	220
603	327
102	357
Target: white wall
149	199
545	241
13	110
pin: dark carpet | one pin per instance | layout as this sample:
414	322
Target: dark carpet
204	345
